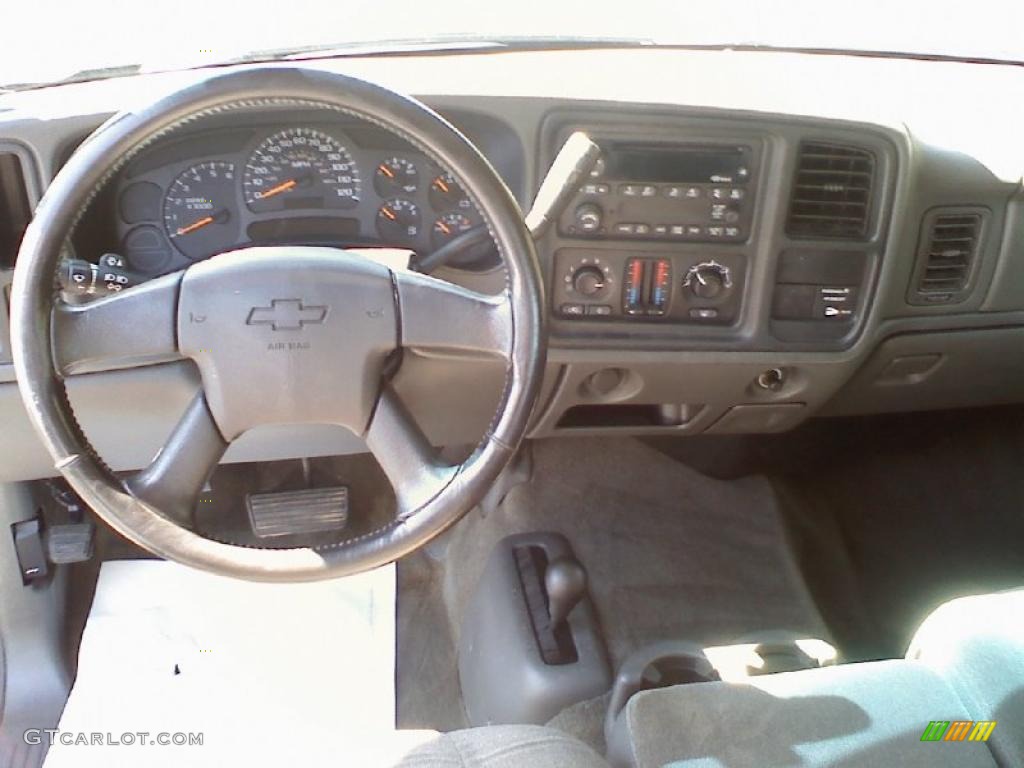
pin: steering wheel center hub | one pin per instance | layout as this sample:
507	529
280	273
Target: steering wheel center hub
288	335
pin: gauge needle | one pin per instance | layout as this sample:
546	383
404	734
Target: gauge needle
196	225
388	212
284	186
444	227
386	171
440	183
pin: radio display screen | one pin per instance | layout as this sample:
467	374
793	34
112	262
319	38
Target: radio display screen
668	164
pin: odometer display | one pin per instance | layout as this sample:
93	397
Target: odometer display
300	168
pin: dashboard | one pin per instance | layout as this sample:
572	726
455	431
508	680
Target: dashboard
304	181
768	238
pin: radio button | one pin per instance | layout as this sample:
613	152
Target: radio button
649	190
572	310
736	193
732	231
630	190
641	229
678	230
600	310
661	229
694	231
716	231
588	217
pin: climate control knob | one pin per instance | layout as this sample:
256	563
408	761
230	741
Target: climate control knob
708	280
588	217
588	281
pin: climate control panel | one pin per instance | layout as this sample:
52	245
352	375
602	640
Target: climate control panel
651	286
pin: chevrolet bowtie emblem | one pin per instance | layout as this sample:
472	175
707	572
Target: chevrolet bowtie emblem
286	315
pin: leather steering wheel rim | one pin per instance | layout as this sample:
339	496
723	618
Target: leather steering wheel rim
39	372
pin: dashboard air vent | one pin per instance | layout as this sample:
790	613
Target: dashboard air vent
15	211
831	192
946	254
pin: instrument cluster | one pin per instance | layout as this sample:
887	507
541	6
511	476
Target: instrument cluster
310	184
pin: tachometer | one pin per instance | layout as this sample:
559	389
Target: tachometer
198	210
300	168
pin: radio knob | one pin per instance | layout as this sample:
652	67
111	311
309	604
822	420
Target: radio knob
588	281
708	280
588	217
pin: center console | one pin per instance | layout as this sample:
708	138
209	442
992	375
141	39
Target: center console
714	272
644	194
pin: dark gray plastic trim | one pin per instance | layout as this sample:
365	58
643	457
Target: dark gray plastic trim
34	672
504	679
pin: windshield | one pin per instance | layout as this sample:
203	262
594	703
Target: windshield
51	40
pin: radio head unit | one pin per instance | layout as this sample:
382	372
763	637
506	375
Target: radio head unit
679	164
658	191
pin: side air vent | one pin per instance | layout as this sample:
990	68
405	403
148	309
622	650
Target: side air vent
15	211
947	252
831	195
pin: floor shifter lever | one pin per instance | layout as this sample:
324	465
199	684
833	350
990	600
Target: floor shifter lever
565	582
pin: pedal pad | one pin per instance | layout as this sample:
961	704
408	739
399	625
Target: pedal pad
69	543
290	513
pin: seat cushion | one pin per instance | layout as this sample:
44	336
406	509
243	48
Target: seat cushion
503	746
871	714
977	645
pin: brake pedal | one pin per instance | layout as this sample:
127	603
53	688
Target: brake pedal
290	513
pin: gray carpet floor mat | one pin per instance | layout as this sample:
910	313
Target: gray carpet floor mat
670	553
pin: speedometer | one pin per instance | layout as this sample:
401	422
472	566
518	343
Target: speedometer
300	168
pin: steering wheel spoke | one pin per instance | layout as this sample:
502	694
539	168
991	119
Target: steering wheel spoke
440	316
408	459
174	479
133	328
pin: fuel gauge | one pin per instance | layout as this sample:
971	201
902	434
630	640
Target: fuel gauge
398	221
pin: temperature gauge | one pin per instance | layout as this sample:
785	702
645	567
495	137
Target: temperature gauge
446	193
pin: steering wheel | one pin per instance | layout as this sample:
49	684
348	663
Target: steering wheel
280	335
